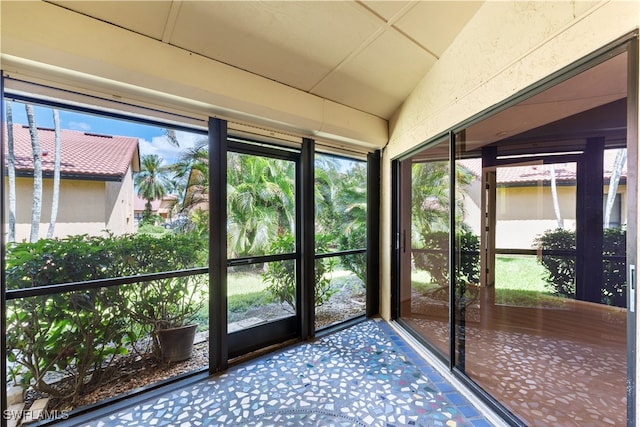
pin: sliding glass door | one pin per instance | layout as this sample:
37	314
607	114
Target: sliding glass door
515	239
424	244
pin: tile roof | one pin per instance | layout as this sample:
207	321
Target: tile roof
565	172
84	155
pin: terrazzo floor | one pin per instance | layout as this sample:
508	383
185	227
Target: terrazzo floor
545	381
365	375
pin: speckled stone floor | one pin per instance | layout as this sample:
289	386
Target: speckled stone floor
365	375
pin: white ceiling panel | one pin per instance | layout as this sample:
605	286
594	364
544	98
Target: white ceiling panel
366	55
296	43
144	17
368	84
388	10
435	24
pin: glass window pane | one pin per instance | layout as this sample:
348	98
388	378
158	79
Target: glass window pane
101	178
74	346
90	197
425	257
544	330
341	204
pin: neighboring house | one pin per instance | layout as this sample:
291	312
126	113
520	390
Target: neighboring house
96	182
524	202
164	208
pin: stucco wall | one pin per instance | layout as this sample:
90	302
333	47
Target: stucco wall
119	205
82	207
505	48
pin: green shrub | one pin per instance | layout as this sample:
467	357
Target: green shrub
79	333
281	275
435	260
561	268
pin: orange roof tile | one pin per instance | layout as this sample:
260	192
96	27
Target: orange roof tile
84	155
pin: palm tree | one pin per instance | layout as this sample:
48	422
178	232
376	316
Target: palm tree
11	166
191	176
430	197
36	207
56	174
326	187
151	181
260	202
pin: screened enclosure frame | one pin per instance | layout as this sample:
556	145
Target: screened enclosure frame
221	141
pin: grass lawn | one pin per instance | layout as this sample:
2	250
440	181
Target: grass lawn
520	280
245	290
520	272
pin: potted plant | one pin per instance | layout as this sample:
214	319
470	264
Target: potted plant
166	309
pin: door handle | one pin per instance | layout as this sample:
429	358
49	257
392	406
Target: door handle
632	288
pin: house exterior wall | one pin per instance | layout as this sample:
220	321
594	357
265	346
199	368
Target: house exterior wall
84	207
119	205
506	47
525	212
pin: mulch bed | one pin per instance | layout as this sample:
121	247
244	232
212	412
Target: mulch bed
134	370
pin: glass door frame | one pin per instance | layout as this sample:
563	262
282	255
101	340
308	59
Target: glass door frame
280	330
244	341
627	44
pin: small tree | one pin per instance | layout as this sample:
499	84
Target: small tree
281	275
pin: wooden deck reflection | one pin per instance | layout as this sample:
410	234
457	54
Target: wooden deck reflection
560	365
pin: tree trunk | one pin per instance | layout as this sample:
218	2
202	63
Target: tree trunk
11	166
618	164
554	195
56	174
36	207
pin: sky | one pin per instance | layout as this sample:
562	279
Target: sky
152	139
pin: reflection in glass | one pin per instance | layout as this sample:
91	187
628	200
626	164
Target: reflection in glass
539	252
546	333
425	291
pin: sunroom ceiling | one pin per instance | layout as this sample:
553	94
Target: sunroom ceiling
367	55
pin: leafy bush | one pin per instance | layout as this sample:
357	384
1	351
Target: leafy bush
561	267
281	275
79	333
435	260
356	263
614	273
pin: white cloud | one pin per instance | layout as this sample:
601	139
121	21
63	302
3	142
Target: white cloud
161	146
83	126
